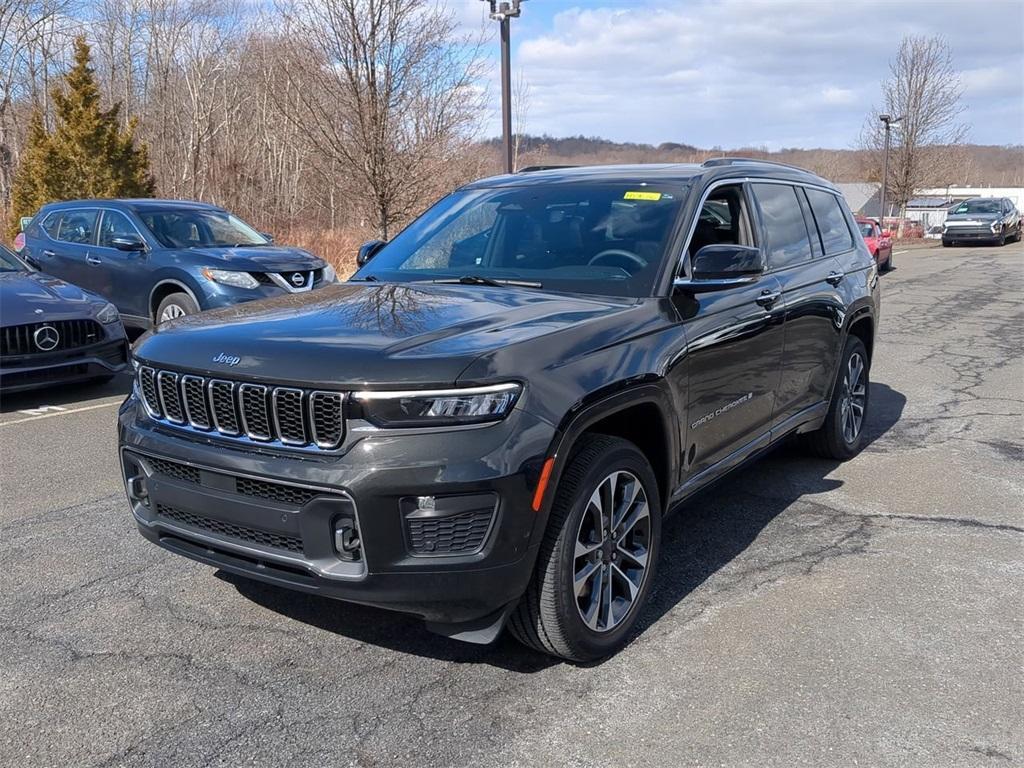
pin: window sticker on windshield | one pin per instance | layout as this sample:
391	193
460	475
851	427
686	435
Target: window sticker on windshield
642	196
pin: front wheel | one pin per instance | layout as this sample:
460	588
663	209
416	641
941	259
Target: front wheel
596	562
841	436
174	306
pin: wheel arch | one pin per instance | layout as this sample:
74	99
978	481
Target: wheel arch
642	415
165	288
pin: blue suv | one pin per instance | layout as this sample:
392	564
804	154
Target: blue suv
161	259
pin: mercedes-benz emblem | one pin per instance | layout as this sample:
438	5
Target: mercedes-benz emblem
46	338
298	279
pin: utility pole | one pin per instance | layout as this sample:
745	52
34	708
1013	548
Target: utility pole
889	121
503	11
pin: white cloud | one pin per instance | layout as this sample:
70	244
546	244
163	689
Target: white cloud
741	72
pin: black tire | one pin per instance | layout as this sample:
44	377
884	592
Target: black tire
947	243
174	304
1001	240
889	266
831	440
549	617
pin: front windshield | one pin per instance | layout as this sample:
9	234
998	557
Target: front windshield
979	206
197	228
867	230
582	237
9	262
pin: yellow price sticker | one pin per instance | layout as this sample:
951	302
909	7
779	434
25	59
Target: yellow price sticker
642	196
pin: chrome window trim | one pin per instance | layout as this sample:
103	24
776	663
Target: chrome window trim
277	422
683	262
242	389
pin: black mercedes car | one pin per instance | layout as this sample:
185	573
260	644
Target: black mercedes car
53	332
485	426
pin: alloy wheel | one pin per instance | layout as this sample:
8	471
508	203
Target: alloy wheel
610	562
171	312
854	398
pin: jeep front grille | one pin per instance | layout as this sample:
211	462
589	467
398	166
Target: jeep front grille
287	416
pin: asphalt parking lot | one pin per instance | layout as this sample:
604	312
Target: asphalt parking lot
806	613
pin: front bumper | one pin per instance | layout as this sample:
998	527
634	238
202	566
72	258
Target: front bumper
964	234
40	370
199	501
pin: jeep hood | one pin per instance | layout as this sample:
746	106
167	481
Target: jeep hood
985	218
395	335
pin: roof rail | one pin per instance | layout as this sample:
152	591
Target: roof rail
533	168
720	161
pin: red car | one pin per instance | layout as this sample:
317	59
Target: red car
879	242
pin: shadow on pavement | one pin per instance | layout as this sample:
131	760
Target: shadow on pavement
66	394
705	534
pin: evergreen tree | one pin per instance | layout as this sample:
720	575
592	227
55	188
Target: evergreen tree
88	155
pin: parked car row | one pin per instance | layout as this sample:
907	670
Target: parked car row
982	219
142	262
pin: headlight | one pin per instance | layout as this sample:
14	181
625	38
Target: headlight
230	277
329	274
996	226
108	314
437	408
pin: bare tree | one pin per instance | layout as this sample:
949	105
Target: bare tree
923	88
386	88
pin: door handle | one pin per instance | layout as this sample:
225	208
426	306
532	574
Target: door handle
768	298
49	254
835	278
94	260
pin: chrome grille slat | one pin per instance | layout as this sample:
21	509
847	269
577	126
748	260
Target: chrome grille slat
193	392
255	416
221	395
170	398
288	417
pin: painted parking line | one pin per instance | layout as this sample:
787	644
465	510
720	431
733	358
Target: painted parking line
55	410
897	253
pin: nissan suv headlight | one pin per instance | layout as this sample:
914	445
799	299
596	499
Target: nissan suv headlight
330	275
108	314
230	277
437	408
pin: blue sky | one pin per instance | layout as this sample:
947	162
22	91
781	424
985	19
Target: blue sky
786	73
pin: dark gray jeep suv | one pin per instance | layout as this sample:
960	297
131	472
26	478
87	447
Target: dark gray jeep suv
486	425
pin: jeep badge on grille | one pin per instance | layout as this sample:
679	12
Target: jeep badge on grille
227	359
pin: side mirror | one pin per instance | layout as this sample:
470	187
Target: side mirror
128	243
267	236
722	266
24	222
719	267
368	250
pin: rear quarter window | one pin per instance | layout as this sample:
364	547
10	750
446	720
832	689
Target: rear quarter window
831	220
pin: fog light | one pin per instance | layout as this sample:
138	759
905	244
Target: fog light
426	503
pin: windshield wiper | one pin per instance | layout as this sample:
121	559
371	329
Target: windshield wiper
497	282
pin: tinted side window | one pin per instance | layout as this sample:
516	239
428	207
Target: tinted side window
50	224
77	227
835	234
785	231
115	224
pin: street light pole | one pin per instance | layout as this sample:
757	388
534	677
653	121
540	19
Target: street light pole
503	11
889	120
